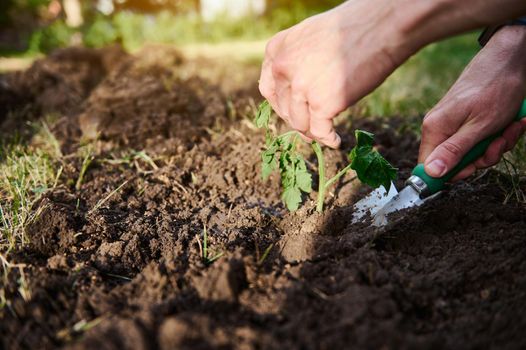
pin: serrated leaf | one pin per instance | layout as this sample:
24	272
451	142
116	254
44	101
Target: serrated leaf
292	198
263	115
363	138
268	167
304	181
371	168
380	172
303	177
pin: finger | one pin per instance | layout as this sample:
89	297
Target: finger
299	113
450	152
283	100
267	85
432	135
512	135
305	138
322	130
466	172
493	154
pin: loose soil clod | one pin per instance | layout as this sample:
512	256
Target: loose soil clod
129	275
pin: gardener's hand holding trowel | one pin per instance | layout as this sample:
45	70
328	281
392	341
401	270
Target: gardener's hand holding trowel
484	99
321	66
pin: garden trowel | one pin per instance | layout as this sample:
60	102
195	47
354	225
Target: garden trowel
419	188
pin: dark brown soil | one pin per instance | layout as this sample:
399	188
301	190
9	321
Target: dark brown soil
129	275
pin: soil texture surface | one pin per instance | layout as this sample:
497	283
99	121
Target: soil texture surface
117	261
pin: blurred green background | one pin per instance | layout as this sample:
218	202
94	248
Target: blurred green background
30	28
43	25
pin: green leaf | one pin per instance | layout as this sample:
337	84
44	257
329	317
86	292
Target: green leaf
286	168
380	172
280	153
263	115
292	198
371	168
269	139
269	161
363	138
303	177
268	167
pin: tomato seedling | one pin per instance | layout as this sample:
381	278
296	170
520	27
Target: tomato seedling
281	154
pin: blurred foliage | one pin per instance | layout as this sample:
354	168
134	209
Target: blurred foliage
135	22
420	83
56	35
100	33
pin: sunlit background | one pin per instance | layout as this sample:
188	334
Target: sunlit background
32	28
43	25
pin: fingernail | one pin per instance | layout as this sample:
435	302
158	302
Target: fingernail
338	141
436	168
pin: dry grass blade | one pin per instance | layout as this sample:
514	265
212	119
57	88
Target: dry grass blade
203	249
265	255
101	202
23	287
86	162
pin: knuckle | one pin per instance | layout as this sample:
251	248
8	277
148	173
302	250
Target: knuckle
280	67
315	105
430	122
452	148
323	106
318	105
317	134
299	85
297	124
265	89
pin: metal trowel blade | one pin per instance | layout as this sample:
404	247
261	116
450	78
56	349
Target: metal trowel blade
408	197
373	202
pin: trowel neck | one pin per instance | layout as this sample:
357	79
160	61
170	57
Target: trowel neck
418	185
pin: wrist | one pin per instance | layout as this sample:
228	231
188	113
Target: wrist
509	45
423	22
511	37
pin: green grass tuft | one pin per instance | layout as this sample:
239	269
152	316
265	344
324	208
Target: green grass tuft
26	173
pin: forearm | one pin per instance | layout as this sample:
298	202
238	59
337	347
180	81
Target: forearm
421	22
509	47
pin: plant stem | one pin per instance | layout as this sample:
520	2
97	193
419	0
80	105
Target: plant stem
324	184
337	176
321	175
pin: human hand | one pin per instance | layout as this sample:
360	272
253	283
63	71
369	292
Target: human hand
484	100
316	69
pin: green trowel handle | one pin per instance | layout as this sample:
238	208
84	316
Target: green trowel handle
437	184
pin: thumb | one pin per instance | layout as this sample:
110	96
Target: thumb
449	153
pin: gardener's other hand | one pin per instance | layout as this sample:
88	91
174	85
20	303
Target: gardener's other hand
484	100
316	69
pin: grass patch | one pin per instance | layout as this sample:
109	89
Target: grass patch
26	172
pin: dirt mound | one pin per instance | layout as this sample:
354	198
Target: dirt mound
128	269
139	107
58	83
